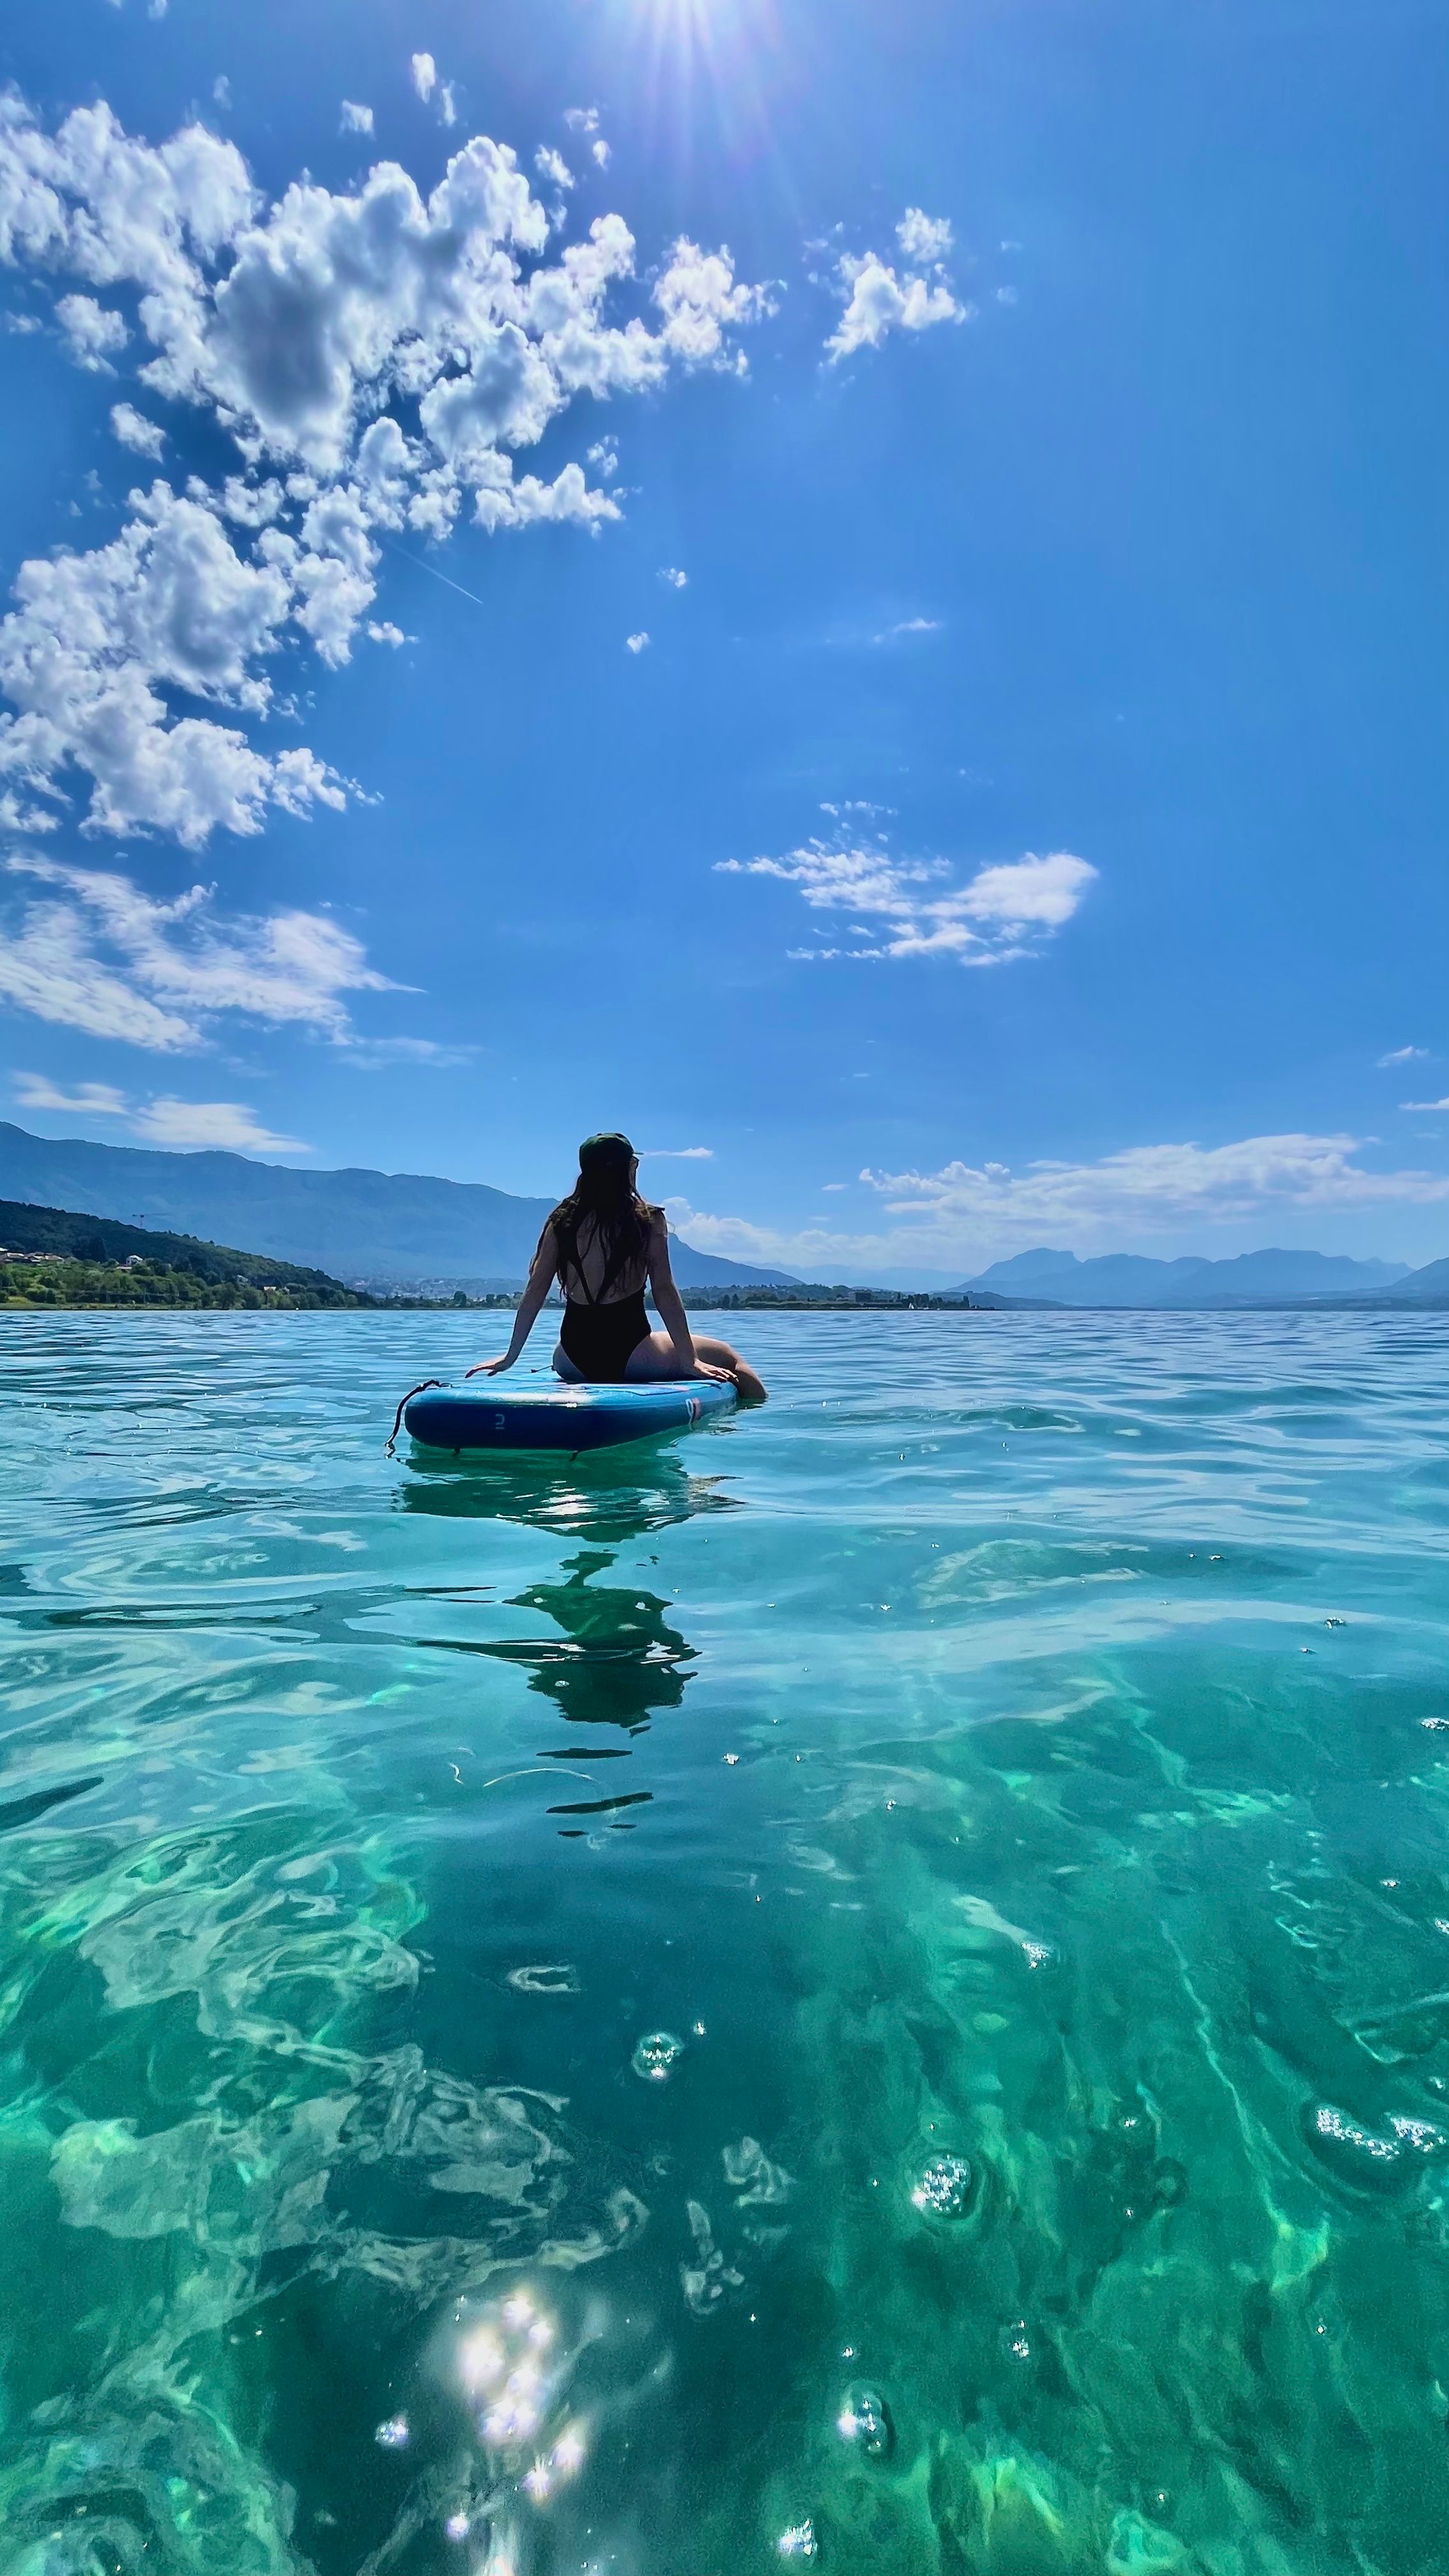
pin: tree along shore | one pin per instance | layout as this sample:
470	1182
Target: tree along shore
51	1282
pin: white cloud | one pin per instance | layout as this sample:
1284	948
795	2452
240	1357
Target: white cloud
880	302
429	87
600	152
294	325
581	120
145	437
371	1055
93	952
221	90
93	333
671	575
924	239
636	643
356	119
551	165
88	1100
964	1216
1158	1185
219	1124
1403	1055
908	626
1431	1107
1000	914
16	816
701	304
95	640
676	1153
216	1126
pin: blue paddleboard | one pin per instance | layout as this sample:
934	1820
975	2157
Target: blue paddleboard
547	1413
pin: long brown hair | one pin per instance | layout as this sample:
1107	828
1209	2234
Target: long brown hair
604	1200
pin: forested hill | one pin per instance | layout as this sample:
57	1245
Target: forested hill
61	1234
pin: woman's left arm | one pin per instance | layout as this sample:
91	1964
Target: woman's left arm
540	1279
671	1309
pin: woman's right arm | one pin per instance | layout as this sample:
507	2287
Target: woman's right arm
540	1279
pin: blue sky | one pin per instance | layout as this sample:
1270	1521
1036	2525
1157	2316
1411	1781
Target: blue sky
1042	406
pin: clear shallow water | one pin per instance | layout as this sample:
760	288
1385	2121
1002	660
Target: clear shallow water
961	1761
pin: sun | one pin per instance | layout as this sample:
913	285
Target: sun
726	53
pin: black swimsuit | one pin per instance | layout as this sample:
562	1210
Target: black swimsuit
599	1339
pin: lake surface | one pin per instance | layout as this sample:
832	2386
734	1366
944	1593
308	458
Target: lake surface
871	1983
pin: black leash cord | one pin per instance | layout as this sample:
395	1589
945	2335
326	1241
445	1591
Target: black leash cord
391	1450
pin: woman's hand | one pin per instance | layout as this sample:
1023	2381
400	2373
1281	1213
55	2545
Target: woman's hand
707	1368
490	1368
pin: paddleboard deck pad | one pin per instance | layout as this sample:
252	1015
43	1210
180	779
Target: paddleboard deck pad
548	1413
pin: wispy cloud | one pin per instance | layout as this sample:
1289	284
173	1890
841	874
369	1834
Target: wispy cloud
1002	913
1167	1184
84	1100
676	1153
1425	1107
673	578
93	952
376	1055
637	643
223	1126
908	626
965	1214
179	1125
356	119
1403	1055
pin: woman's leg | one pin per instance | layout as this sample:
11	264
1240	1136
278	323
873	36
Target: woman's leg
655	1358
751	1387
563	1367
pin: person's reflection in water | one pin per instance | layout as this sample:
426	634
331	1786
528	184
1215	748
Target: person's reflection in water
616	1658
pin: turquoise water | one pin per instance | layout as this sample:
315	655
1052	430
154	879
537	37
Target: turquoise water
872	1982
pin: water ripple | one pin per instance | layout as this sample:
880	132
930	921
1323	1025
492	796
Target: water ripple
1001	1789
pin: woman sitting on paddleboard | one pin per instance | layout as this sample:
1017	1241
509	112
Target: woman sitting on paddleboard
601	1244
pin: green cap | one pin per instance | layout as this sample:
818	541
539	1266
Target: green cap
607	1147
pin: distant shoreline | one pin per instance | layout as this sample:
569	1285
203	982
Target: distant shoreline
757	1305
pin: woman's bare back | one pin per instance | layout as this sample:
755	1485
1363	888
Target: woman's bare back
583	1278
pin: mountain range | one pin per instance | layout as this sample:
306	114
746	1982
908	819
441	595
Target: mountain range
1251	1279
390	1230
371	1229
